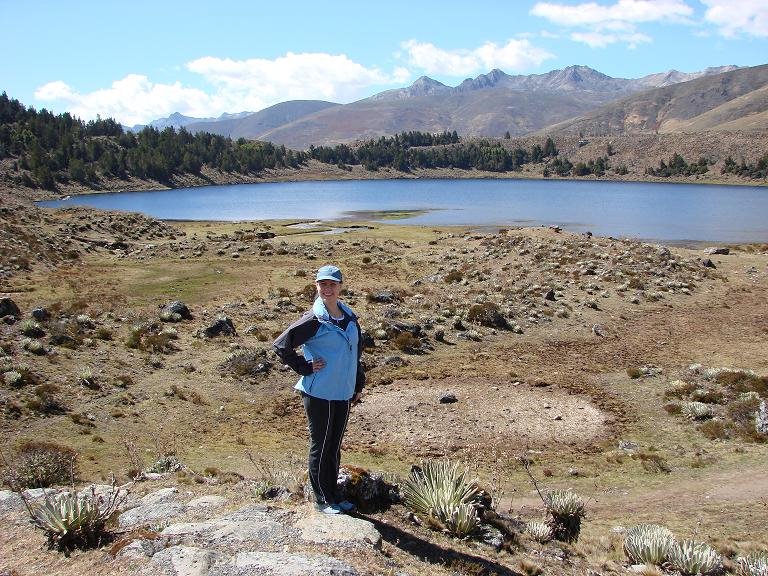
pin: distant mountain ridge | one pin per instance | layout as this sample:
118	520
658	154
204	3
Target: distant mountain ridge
490	105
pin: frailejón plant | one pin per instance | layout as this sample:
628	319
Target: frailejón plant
567	509
539	531
697	410
71	520
754	564
440	492
648	544
691	557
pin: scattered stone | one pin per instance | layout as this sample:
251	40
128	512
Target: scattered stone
717	250
708	263
448	398
222	326
186	561
40	314
761	418
284	564
8	308
628	445
11	502
339	529
178	307
208	501
150	514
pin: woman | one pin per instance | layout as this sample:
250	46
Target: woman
331	381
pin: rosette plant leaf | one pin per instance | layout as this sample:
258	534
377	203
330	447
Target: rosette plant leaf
71	520
690	557
440	492
648	544
567	509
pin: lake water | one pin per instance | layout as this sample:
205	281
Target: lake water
665	212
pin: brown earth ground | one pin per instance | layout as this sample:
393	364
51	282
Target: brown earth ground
552	386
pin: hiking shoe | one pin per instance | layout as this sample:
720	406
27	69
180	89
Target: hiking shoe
328	508
346	506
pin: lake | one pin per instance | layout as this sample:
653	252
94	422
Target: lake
649	211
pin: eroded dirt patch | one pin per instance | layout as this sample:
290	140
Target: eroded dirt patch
409	414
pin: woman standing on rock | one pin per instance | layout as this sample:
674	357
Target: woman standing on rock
331	381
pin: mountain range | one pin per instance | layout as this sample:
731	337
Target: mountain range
574	99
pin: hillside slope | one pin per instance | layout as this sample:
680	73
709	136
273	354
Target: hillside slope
733	100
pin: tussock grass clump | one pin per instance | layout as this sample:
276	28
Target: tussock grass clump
150	337
691	557
40	465
440	492
648	544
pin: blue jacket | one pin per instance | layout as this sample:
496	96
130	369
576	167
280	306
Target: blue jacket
339	344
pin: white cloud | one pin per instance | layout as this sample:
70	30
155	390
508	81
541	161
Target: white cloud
601	39
630	11
131	100
736	17
237	85
613	23
515	55
292	77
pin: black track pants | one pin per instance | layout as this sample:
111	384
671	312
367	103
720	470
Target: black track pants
327	422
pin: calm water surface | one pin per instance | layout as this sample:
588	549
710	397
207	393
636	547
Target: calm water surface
668	212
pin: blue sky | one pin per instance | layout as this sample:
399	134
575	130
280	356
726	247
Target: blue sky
141	60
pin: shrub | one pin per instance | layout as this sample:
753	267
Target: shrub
150	337
742	381
634	372
247	363
39	465
440	492
680	389
653	463
103	333
673	408
743	410
715	430
567	509
407	342
754	564
71	520
648	544
487	314
690	557
45	400
453	276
